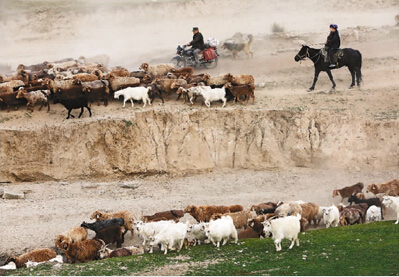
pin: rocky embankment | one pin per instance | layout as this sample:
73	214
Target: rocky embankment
196	141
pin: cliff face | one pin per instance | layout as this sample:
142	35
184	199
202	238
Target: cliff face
196	141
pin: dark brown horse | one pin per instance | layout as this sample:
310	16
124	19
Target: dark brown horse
350	57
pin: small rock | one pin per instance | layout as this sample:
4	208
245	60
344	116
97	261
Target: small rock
1	192
56	266
129	186
8	195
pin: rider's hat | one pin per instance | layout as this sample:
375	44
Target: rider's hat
335	26
195	29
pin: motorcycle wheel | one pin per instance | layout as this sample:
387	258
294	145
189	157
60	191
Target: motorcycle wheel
211	64
178	62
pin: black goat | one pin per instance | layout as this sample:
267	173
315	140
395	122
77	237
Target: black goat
111	234
102	224
371	201
73	103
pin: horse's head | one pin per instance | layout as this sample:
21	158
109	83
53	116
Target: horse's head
302	54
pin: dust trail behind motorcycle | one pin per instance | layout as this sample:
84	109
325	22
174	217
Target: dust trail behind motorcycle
132	32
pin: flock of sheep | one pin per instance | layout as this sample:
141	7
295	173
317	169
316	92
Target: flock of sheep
75	83
215	224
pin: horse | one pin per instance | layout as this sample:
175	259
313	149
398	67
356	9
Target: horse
348	57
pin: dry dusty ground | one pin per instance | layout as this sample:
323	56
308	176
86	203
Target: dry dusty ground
53	207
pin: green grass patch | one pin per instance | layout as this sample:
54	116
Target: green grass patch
368	249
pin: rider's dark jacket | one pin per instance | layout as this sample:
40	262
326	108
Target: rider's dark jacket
198	41
333	40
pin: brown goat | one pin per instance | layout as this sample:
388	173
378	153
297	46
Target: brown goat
309	213
264	208
353	214
82	251
243	90
240	219
204	213
184	71
346	192
240	80
37	255
167	215
390	188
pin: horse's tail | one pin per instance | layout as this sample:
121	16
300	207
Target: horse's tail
360	66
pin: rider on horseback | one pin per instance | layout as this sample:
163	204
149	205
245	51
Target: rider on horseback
197	43
333	43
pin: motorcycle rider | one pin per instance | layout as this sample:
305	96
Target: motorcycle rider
333	43
197	43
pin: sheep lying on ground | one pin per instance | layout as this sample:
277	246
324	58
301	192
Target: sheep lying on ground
120	252
37	255
82	251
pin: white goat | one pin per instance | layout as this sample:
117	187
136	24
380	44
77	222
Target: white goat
209	94
171	237
373	214
331	216
393	203
285	227
134	93
198	232
150	229
221	229
320	214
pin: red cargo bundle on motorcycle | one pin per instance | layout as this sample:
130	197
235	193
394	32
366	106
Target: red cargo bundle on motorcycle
210	54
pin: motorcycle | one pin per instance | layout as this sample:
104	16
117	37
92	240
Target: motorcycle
208	58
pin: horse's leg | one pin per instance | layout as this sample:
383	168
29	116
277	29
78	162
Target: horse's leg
358	76
316	76
352	71
331	78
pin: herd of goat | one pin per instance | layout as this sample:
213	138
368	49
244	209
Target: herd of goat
215	224
75	83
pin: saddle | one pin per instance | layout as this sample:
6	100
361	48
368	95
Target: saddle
338	54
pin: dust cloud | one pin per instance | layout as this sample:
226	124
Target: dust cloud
132	32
